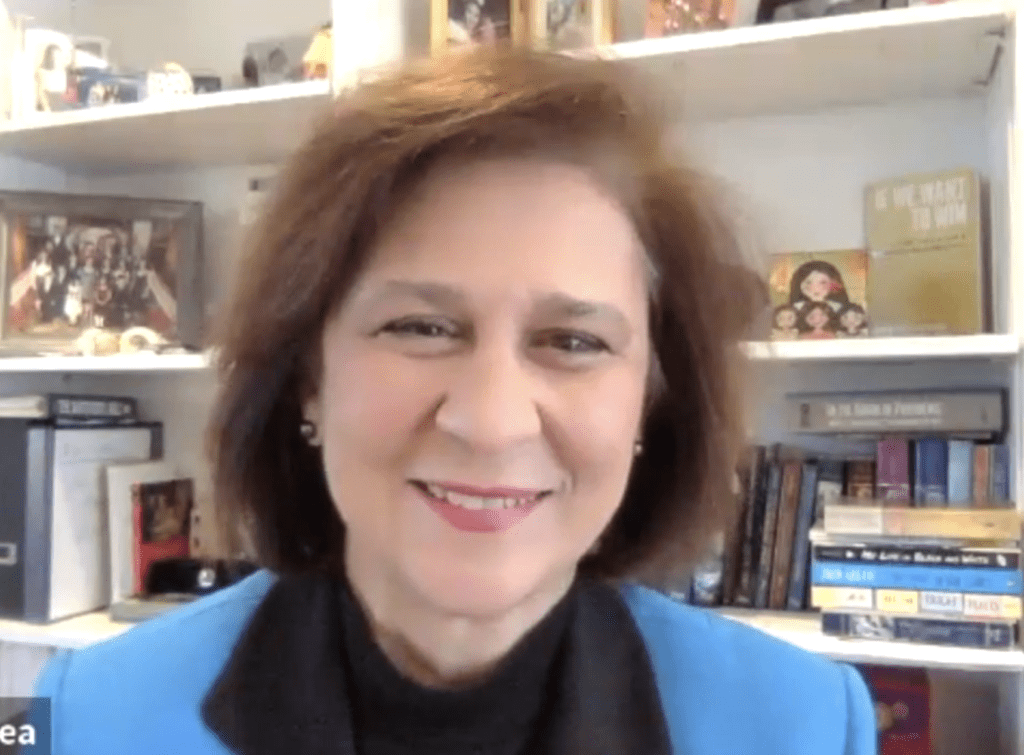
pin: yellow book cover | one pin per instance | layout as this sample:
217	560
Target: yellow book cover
818	295
924	235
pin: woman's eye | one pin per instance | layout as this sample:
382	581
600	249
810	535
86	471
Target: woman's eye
419	328
574	343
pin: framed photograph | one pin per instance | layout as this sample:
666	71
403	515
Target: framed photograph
572	24
74	265
457	23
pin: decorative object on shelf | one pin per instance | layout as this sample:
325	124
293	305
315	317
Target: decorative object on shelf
928	263
819	295
454	23
206	83
80	271
571	24
277	60
668	17
316	63
138	339
169	81
796	10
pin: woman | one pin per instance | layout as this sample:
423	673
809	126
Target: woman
477	380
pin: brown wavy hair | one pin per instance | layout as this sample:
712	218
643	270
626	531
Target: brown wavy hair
342	187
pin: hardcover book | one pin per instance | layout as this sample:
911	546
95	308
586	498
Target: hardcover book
927	269
819	295
965	412
893	470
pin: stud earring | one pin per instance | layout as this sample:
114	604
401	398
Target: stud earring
638	448
308	432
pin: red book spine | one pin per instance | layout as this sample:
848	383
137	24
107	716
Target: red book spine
893	470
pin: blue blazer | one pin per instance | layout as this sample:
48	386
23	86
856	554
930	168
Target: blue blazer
725	688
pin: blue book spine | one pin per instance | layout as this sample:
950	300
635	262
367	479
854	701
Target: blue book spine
907	577
1000	479
960	479
797	594
931	466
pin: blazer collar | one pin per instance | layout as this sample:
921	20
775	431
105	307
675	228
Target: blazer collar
283	688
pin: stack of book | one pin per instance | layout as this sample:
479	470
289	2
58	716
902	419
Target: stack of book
938	576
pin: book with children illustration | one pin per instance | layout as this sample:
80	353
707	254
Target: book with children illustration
924	237
817	295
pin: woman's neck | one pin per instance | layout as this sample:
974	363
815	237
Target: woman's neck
441	649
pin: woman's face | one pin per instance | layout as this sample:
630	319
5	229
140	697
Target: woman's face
816	286
482	387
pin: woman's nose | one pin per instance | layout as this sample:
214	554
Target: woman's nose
491	401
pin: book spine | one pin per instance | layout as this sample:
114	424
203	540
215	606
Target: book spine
951	412
79	407
830	486
753	522
906	577
39	530
893	470
860	479
1000	477
921	555
789	501
981	484
767	549
939	603
976	524
961	465
933	631
734	542
930	470
800	566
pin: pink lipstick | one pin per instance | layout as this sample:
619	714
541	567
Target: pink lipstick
476	509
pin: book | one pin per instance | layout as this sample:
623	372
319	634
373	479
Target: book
785	530
892	470
162	521
933	603
902	707
931	466
960	485
876	626
70	407
769	526
750	551
819	295
927	265
977	524
927	412
831	473
983	581
912	553
860	479
56	553
796	597
1000	476
121	518
981	475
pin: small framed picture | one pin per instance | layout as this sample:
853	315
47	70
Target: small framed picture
456	23
571	24
74	265
666	18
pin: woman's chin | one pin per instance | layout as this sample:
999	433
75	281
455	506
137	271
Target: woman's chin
476	593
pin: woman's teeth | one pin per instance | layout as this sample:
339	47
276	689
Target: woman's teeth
476	503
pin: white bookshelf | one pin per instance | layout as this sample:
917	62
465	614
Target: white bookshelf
796	118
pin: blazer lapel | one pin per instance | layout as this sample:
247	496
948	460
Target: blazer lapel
283	689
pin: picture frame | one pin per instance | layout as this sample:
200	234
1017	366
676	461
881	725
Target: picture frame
77	270
571	24
458	23
666	18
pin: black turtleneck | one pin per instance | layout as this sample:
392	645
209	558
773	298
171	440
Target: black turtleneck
393	715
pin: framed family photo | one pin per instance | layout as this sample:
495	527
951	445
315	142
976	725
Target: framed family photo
457	23
571	24
73	264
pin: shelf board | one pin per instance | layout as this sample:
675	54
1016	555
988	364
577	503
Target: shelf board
115	363
244	126
997	346
857	59
803	630
76	632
